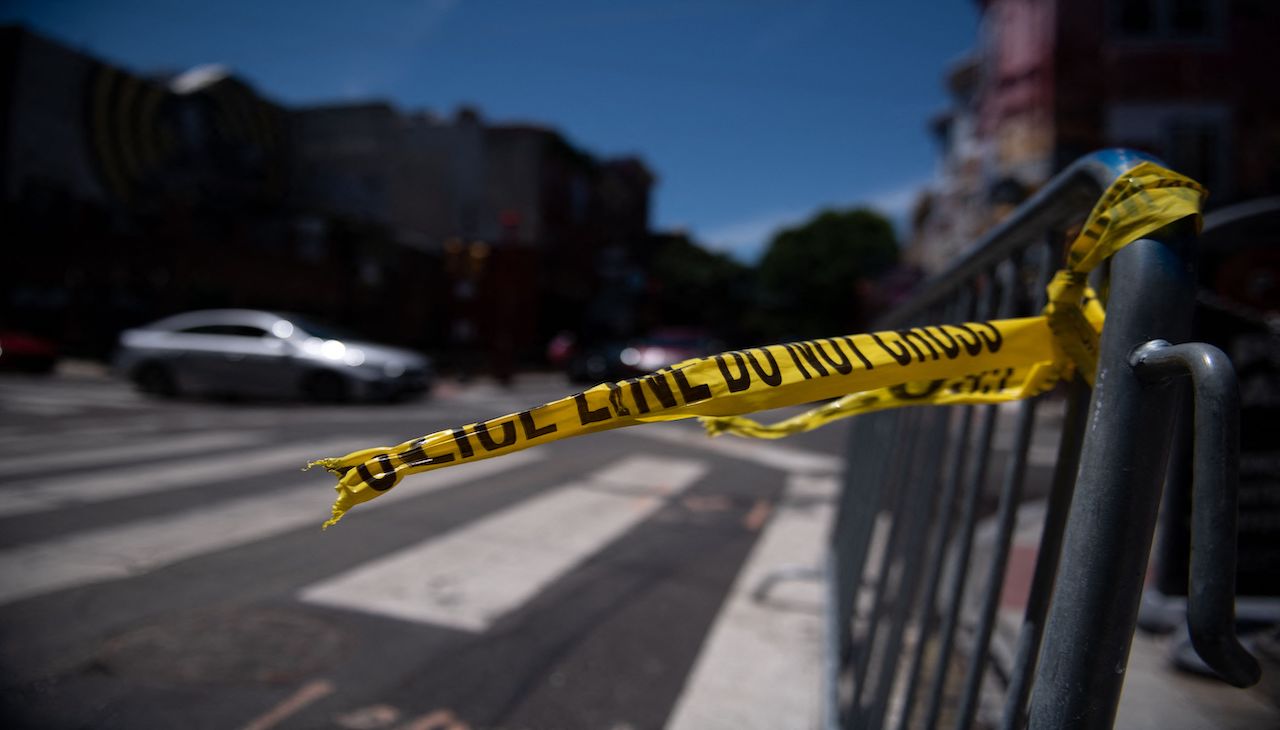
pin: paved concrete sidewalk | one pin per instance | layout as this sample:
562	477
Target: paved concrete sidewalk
1156	694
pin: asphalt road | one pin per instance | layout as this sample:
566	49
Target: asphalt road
162	566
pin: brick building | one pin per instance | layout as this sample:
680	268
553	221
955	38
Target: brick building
127	197
1052	80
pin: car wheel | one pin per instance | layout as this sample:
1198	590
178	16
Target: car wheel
325	388
39	366
404	396
156	379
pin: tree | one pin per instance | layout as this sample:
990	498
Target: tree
691	286
811	276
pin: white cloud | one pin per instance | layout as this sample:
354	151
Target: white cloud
745	239
354	89
896	203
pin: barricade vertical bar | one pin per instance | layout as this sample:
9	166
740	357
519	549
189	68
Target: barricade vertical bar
939	536
920	513
851	537
1010	497
937	551
925	548
856	518
830	649
888	590
1113	513
1057	506
955	589
1057	503
845	536
899	480
960	567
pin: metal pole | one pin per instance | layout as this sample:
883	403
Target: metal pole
1113	514
1055	520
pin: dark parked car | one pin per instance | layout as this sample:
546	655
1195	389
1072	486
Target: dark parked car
251	352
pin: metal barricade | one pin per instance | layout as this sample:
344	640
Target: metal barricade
912	608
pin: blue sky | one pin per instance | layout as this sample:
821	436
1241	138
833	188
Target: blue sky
753	113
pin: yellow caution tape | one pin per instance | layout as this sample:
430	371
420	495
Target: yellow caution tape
973	362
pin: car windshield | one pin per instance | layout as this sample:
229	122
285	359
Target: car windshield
321	329
681	340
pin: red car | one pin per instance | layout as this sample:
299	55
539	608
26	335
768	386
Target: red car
26	353
663	347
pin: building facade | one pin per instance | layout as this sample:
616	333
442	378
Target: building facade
1052	80
128	197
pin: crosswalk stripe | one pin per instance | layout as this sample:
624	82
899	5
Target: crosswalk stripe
71	399
759	667
785	458
16	440
41	495
39	409
470	577
75	455
144	545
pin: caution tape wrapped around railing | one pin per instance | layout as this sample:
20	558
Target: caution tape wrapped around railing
949	364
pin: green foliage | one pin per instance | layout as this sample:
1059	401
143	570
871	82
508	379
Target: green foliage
694	287
811	276
811	281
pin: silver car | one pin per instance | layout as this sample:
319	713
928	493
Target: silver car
251	352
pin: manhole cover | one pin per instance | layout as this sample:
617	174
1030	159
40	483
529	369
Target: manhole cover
236	645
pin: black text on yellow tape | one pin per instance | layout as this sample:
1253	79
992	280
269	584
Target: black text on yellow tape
921	365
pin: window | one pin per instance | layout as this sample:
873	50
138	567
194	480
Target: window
1195	149
1137	17
1189	18
236	330
310	234
1168	20
1194	138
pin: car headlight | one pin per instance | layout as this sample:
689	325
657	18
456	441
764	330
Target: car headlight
333	349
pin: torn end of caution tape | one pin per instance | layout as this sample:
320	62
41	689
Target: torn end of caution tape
356	484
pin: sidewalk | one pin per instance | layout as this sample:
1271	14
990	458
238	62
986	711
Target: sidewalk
1156	695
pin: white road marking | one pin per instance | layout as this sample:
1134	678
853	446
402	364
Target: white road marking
306	694
368	718
145	545
468	578
85	428
41	495
760	664
75	400
39	409
74	453
777	456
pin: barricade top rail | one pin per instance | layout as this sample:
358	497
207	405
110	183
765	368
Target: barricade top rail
1071	192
